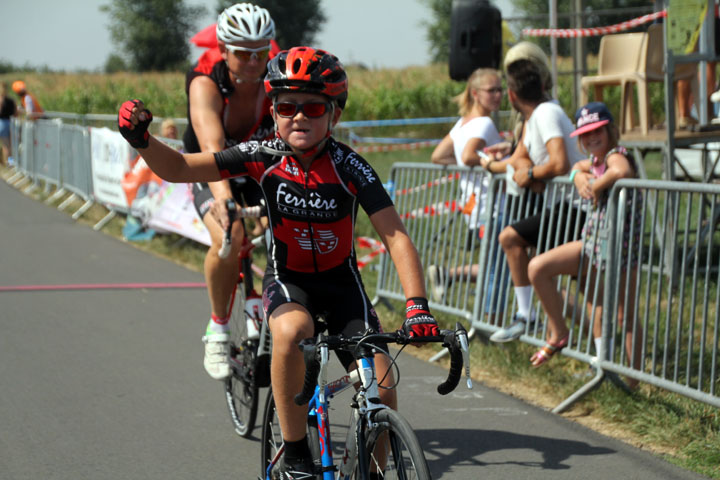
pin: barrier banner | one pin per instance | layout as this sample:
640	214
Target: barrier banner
376	247
111	159
173	211
139	184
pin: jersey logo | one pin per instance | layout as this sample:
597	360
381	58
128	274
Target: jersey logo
362	169
292	169
325	240
311	206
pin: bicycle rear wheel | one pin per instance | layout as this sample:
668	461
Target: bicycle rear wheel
241	391
393	449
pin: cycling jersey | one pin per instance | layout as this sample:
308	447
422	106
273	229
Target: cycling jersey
311	212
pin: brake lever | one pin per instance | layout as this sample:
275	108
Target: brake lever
227	239
461	335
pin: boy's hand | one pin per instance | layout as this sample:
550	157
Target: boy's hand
133	122
419	322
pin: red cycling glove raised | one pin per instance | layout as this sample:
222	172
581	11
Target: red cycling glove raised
136	135
419	322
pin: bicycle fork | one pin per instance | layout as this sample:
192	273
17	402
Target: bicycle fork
355	448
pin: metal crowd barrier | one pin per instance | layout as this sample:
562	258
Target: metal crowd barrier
76	168
46	152
672	332
676	292
56	154
59	155
16	151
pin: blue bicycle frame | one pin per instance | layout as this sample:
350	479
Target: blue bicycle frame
318	407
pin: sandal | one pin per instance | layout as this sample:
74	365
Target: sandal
546	352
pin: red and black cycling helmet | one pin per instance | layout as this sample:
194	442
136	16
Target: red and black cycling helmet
307	70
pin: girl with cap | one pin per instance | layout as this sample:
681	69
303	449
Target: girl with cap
594	177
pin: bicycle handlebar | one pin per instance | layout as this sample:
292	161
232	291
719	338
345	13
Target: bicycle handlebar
234	213
456	342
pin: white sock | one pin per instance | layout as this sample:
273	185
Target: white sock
597	341
217	325
523	295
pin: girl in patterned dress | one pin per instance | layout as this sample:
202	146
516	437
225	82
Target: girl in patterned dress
593	178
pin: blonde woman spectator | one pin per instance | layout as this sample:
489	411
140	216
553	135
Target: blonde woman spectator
473	132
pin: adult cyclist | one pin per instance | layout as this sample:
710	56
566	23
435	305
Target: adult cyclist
227	105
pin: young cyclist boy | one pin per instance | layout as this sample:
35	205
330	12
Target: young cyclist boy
312	187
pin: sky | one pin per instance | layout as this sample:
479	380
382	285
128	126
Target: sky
73	34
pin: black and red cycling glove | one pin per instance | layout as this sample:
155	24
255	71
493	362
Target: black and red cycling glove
136	135
419	322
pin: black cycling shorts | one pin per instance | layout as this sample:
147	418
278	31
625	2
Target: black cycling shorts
245	191
338	305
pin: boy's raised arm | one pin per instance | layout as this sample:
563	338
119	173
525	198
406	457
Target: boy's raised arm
168	163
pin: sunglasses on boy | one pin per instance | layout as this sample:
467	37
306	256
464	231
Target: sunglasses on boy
247	54
310	109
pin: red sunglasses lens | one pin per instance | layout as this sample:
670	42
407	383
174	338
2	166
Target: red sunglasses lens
314	109
286	109
311	109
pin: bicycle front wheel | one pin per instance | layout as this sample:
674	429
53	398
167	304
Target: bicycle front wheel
393	450
271	441
271	444
241	391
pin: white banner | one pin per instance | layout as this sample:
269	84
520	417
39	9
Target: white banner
174	212
111	157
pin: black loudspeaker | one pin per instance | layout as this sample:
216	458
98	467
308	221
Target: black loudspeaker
475	37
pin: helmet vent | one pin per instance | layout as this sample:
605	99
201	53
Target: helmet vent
296	65
247	26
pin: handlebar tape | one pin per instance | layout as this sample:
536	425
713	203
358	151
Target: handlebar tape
456	364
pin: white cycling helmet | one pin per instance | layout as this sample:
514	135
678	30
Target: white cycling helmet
245	22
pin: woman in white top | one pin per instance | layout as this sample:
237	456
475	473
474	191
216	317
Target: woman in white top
473	132
475	129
